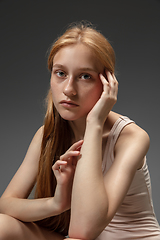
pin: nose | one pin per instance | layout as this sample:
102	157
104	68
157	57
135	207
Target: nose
69	89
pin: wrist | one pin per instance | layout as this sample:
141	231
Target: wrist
54	207
60	202
94	123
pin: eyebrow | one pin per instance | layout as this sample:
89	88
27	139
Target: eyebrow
82	68
88	69
58	65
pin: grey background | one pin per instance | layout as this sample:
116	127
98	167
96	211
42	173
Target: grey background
27	29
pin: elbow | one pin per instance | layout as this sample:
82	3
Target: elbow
1	205
85	234
81	234
88	230
89	223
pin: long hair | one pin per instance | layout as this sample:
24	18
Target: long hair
58	134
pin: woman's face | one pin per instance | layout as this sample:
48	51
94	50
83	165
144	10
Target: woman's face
75	81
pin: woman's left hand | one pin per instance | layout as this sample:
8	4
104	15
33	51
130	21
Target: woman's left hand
107	100
64	170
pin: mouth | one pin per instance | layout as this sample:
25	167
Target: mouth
68	104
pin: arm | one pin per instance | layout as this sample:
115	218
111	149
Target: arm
89	205
13	201
95	199
130	151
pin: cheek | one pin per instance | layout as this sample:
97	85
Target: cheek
54	91
96	91
93	94
54	85
99	90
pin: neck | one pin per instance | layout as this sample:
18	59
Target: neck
79	126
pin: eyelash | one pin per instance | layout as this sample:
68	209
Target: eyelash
84	74
57	72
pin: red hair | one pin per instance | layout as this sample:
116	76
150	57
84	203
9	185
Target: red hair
58	134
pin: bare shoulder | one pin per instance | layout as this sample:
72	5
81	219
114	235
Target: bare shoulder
34	149
37	139
132	146
133	136
132	130
25	177
130	135
39	133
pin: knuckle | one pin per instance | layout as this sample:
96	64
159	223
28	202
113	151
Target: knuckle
115	99
105	96
61	157
115	82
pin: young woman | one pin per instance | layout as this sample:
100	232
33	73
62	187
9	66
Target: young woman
88	162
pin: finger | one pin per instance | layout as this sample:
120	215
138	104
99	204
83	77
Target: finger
74	161
106	86
68	156
79	148
76	145
110	79
115	89
57	164
113	83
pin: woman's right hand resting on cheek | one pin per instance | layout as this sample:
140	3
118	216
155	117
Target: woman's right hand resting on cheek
104	105
64	170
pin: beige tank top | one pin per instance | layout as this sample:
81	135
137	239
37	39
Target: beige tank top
135	218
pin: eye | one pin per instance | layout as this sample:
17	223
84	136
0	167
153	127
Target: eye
60	74
85	76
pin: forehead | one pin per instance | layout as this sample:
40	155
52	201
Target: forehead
78	56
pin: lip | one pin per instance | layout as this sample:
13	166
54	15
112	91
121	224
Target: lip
68	104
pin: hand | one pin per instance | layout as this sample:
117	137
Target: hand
65	167
107	100
64	170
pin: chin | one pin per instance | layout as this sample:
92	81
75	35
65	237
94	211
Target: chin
73	117
68	118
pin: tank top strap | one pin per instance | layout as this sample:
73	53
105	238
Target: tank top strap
118	127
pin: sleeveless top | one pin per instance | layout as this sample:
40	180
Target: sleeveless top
135	218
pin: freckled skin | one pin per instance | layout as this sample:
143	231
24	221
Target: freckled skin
70	81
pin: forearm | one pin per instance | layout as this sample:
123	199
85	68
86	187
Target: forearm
28	210
89	200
